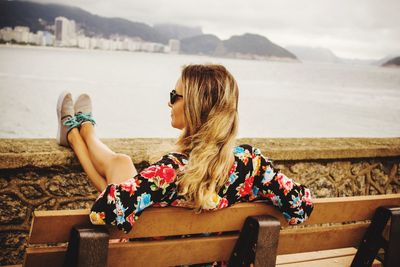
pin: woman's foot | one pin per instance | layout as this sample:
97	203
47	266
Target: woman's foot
83	110
65	116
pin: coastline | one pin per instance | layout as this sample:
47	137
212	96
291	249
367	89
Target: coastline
246	57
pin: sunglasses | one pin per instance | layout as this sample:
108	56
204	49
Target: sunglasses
173	97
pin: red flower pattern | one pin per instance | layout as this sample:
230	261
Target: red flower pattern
130	186
111	194
284	183
223	203
165	173
233	168
149	172
247	187
131	218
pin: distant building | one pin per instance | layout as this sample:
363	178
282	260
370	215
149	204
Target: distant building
83	42
21	34
174	46
152	47
131	44
65	32
116	45
48	38
104	44
7	34
66	35
93	43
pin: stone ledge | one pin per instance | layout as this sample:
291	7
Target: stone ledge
37	174
19	153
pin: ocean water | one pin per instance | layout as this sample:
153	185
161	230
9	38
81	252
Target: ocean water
130	93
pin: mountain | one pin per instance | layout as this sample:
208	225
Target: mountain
394	62
254	44
174	31
320	54
244	46
206	44
39	16
314	54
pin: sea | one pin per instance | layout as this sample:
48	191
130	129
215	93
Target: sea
130	92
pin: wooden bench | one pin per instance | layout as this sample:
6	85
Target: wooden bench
325	241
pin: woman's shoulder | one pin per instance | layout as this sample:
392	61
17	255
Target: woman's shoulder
176	158
246	153
246	149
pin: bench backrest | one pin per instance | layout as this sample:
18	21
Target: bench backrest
55	226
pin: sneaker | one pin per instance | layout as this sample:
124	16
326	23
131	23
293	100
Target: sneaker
83	110
65	116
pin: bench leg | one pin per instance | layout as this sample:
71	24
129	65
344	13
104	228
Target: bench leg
392	255
373	239
257	243
87	247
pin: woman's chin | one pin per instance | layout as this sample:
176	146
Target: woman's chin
176	126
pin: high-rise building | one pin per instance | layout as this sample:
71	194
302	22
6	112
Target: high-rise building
65	32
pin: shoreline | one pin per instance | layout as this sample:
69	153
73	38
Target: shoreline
19	46
240	57
237	56
244	57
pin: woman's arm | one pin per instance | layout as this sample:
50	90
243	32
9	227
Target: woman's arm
121	204
291	198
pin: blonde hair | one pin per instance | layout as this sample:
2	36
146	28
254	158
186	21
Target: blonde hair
210	111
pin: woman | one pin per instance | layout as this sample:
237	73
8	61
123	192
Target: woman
207	173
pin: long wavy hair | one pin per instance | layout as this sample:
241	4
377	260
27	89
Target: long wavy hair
210	111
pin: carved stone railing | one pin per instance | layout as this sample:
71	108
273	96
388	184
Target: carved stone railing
37	174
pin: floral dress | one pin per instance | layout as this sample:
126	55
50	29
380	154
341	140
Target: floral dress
251	178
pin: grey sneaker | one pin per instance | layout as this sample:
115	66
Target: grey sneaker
65	116
83	109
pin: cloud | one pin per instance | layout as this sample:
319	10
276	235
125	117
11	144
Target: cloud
358	28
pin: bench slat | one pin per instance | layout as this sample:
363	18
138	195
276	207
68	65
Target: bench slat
140	253
320	238
37	256
330	262
54	226
322	257
207	249
310	259
314	255
49	227
172	252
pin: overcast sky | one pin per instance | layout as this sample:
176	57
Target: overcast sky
365	29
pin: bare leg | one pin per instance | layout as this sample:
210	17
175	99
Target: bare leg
81	151
115	167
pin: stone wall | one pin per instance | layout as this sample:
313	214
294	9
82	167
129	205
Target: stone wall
37	174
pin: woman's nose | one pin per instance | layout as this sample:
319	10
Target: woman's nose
169	104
